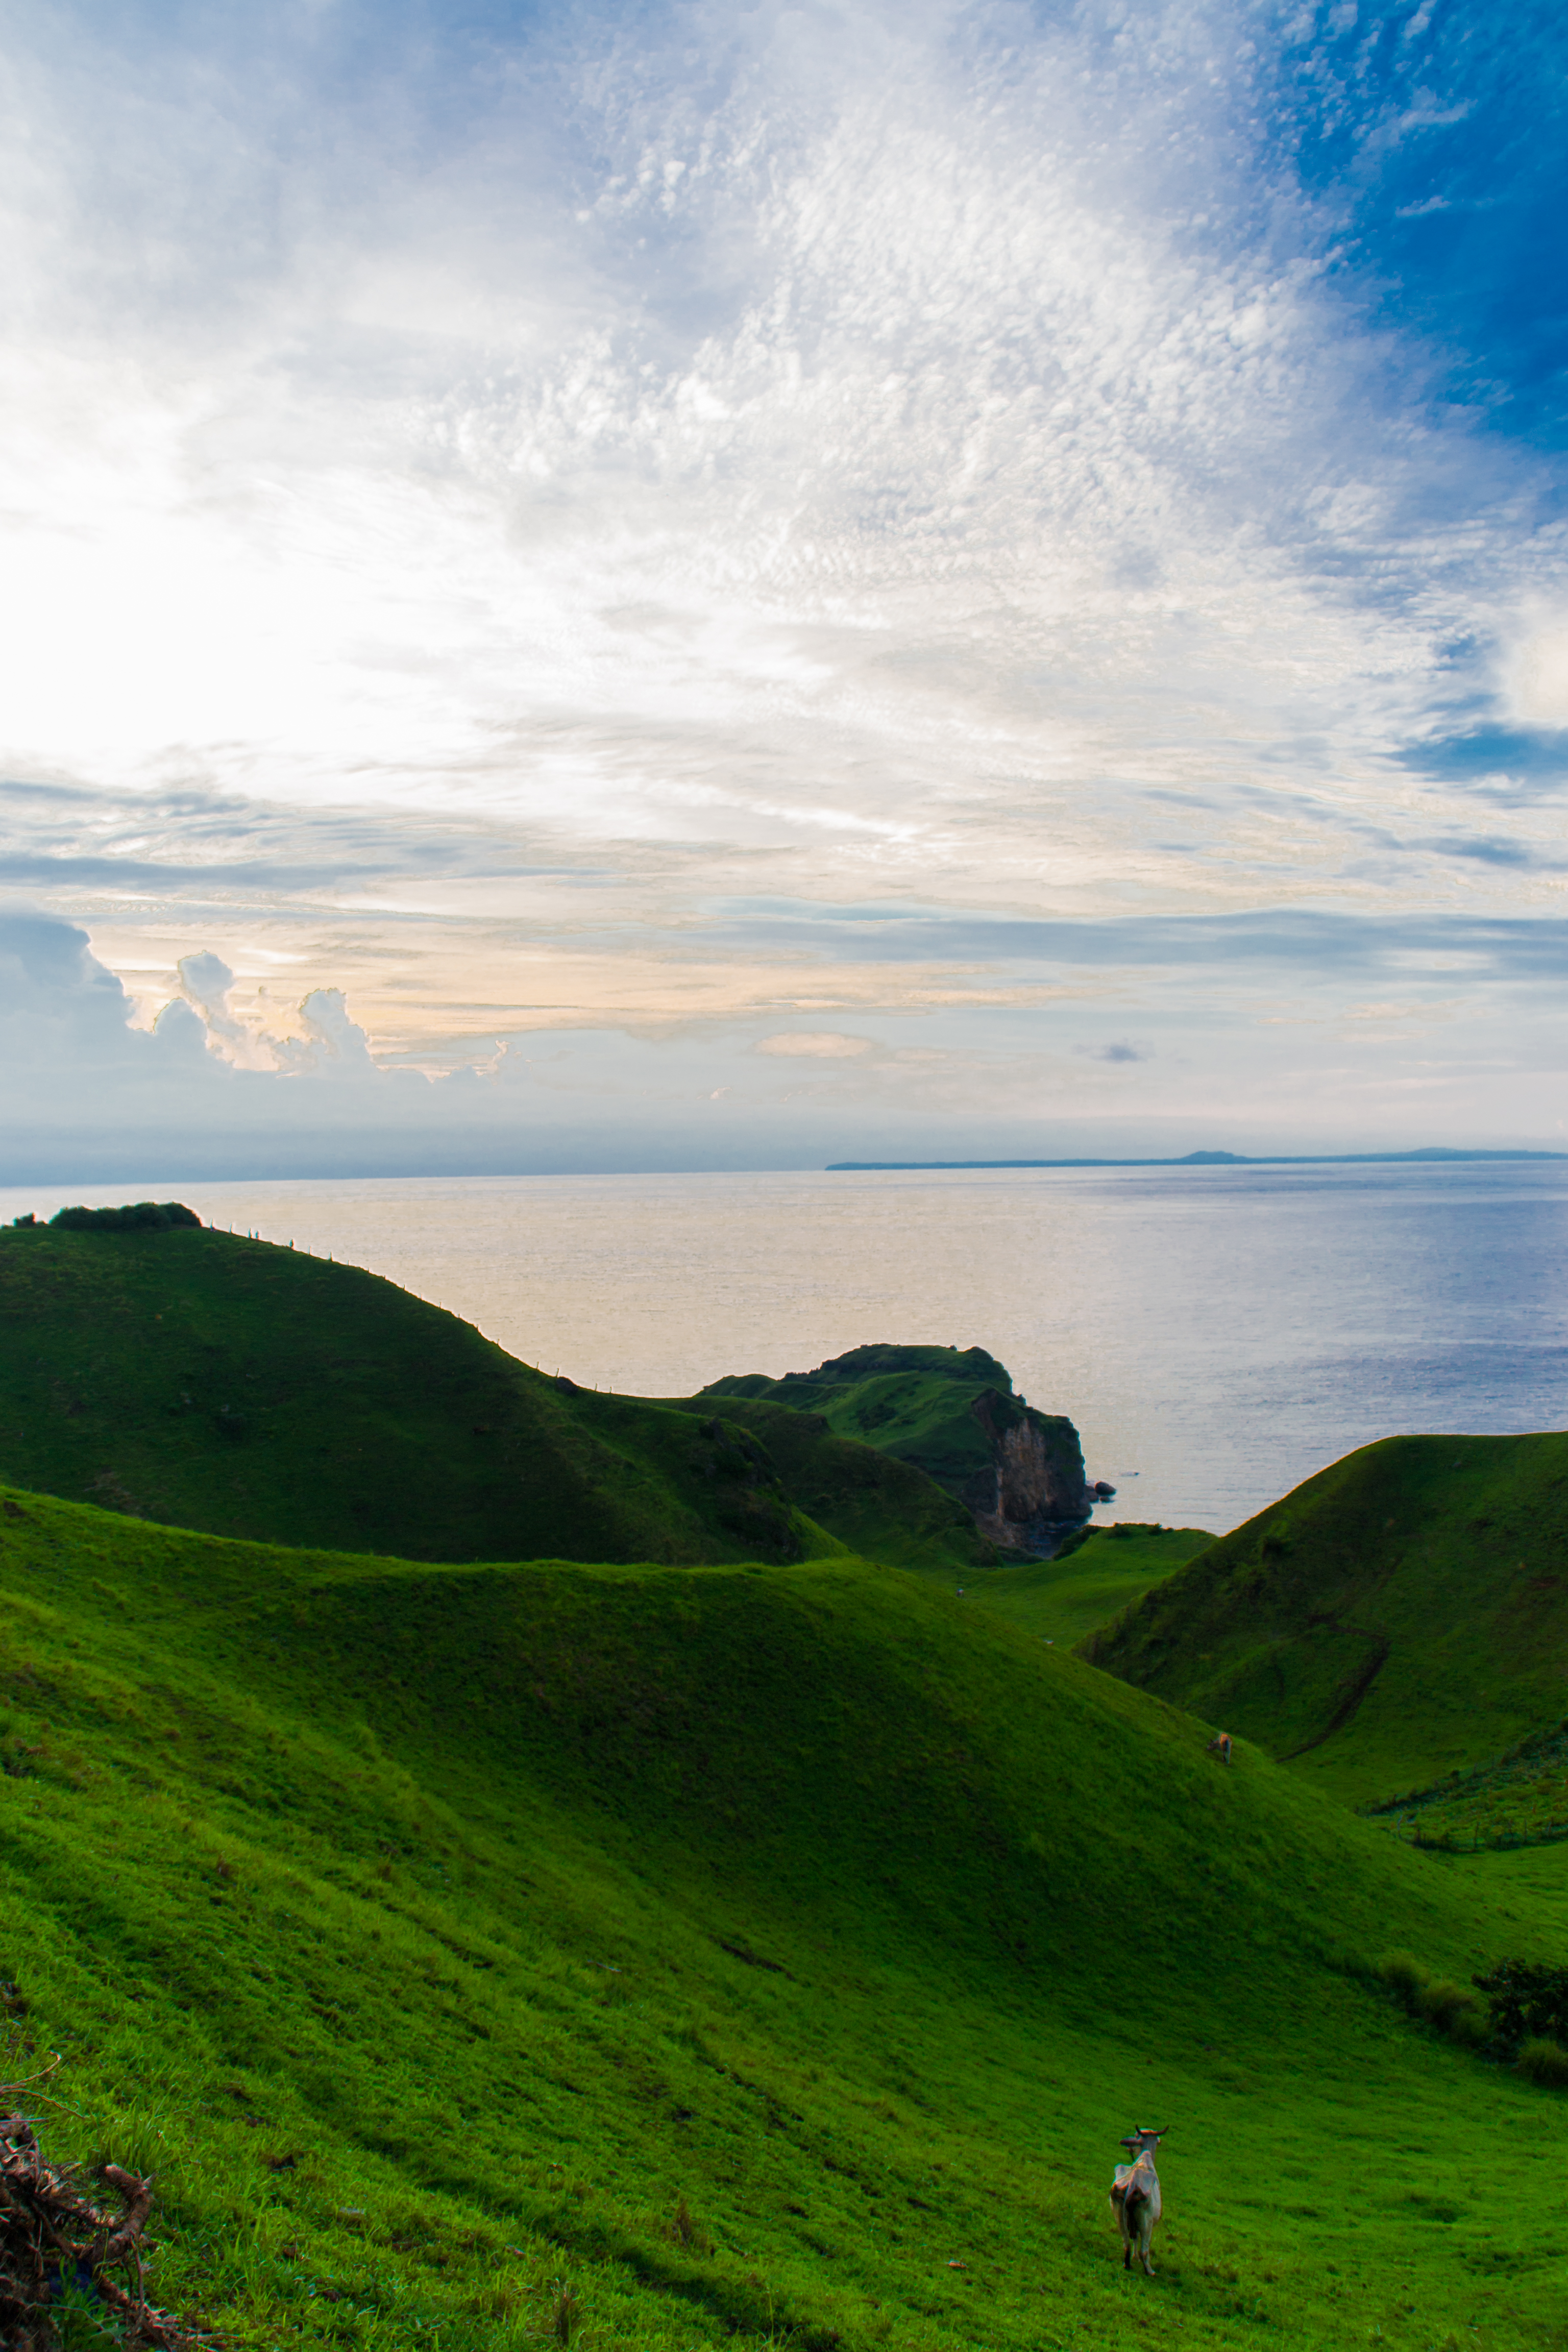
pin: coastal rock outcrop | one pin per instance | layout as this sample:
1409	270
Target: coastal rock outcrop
1034	1490
952	1412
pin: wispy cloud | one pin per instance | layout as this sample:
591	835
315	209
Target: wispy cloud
487	500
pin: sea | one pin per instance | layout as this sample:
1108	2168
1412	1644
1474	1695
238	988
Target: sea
1217	1333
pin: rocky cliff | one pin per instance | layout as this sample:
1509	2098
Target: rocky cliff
1034	1490
952	1413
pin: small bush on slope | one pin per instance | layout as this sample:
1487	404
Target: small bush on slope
448	1930
1544	2063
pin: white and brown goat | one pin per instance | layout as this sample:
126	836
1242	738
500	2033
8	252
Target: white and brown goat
1135	2196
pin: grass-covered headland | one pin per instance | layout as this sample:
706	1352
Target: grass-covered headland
677	1954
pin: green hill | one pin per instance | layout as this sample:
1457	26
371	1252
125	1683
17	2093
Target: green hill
915	1404
484	1955
1092	1579
875	1502
1401	1616
205	1380
1520	1797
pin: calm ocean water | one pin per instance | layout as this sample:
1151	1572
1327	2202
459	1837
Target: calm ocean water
1217	1333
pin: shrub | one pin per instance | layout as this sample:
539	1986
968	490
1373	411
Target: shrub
1545	2062
1403	1975
1529	2001
1450	2009
135	1217
1442	2003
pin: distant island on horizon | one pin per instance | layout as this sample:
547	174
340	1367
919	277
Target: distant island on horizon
1428	1152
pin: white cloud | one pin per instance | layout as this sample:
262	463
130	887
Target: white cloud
822	1045
459	537
877	460
1535	669
90	1096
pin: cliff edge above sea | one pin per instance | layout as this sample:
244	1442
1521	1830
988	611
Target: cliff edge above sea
952	1412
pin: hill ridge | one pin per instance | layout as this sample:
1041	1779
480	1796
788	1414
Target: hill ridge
1400	1616
407	1919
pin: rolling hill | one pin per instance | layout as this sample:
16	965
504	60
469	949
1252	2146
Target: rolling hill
203	1379
1401	1616
875	1502
673	1954
1094	1575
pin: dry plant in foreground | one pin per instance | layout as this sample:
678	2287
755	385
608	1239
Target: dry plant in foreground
57	2248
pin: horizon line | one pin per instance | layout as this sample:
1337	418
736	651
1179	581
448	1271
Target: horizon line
1425	1155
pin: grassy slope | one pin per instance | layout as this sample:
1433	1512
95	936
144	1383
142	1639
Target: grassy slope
508	1907
1445	1557
211	1381
1522	1794
873	1502
1063	1600
914	1403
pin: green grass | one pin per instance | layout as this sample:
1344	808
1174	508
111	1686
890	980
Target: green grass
1401	1616
730	1951
874	1503
1521	1797
203	1379
1094	1577
916	1405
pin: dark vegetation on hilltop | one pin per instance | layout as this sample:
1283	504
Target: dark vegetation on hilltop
687	1954
1401	1616
134	1216
207	1381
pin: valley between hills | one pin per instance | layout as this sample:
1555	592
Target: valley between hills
519	1866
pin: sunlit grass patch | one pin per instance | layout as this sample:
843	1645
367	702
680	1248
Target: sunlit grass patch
770	1956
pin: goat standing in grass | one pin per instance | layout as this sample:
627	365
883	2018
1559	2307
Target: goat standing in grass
1135	2195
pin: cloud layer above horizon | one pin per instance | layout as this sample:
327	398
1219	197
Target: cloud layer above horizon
837	575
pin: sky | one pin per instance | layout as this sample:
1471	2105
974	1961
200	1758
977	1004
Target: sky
704	586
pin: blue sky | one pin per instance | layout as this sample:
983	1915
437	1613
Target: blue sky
715	585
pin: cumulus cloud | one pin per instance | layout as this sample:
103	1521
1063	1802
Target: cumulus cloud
92	1093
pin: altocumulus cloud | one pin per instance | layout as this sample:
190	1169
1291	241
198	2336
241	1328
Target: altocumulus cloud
579	544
